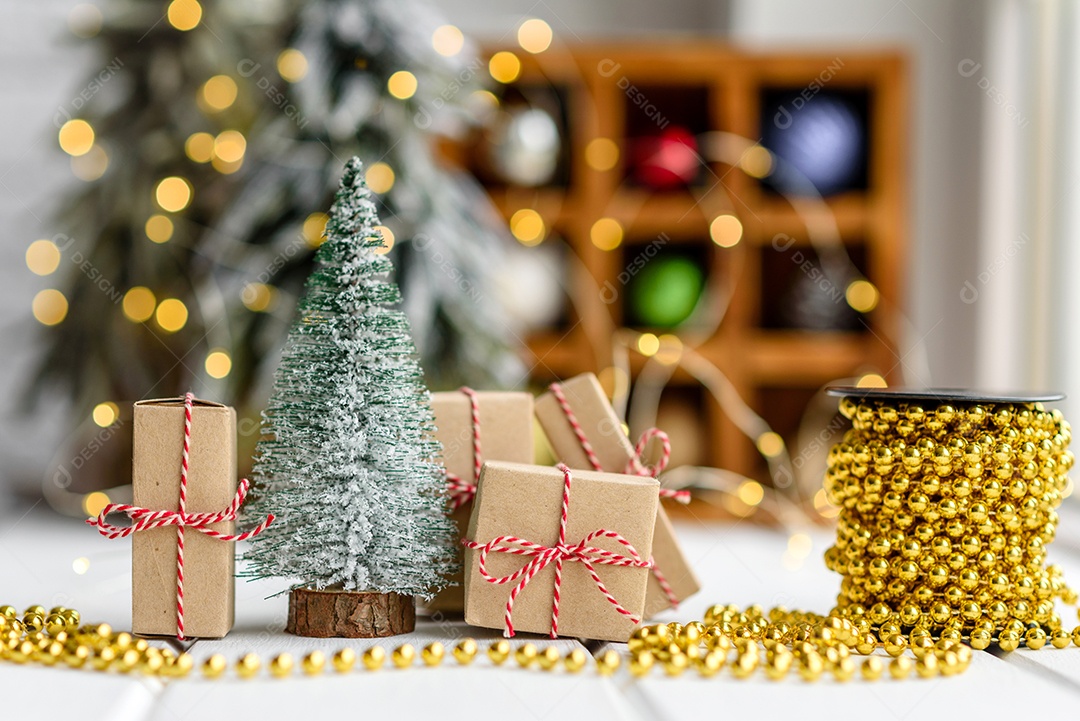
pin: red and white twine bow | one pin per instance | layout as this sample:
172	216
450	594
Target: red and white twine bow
461	491
543	556
143	519
634	467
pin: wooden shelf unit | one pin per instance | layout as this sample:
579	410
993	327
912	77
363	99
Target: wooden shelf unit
757	360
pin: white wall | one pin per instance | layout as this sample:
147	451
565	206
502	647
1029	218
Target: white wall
42	69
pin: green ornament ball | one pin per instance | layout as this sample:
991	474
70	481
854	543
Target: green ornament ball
665	292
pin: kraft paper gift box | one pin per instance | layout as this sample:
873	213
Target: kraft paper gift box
506	434
209	585
525	501
613	448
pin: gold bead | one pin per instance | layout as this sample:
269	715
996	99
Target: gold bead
708	665
1060	638
548	659
33	621
102	660
1076	635
373	658
872	668
526	654
465	651
181	666
607	662
313	663
248	665
36	609
128	660
404	655
844	670
675	665
214	666
9	612
927	666
778	663
433	654
811	666
55	624
641	663
895	645
1008	640
499	651
981	639
77	656
900	667
574	661
1035	638
281	665
344	660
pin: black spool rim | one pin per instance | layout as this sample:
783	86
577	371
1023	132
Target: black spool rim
939	396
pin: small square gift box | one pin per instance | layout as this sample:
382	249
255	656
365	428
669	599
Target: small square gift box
473	427
183	513
585	432
559	552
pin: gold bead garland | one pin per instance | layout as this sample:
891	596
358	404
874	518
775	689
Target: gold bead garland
778	643
946	514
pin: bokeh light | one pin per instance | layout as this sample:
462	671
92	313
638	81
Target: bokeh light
726	230
534	35
527	226
602	154
292	65
219	92
862	295
380	177
159	228
43	257
173	194
184	14
218	363
314	229
606	234
387	239
199	147
76	137
138	304
504	66
105	414
171	315
49	307
447	40
402	85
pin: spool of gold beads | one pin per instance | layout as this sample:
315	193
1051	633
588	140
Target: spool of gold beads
947	509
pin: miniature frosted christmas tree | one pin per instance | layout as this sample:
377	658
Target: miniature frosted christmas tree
348	463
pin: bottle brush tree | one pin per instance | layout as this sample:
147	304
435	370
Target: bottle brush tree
348	463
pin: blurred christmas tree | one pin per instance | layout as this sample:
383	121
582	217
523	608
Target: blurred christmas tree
218	127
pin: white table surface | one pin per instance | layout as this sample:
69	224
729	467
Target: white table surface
738	563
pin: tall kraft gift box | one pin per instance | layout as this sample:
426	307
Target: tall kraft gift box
506	434
615	452
209	563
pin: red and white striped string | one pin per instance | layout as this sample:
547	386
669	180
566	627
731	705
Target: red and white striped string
543	556
460	491
143	518
634	467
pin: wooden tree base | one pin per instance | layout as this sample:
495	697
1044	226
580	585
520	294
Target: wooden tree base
349	614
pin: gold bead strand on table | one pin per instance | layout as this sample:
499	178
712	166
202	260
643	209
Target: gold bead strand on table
946	514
